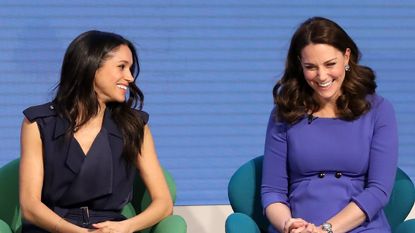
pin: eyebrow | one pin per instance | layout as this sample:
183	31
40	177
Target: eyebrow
328	61
124	61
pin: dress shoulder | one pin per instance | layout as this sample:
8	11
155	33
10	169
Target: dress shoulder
142	115
380	104
39	111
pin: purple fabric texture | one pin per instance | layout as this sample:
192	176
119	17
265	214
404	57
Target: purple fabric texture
316	168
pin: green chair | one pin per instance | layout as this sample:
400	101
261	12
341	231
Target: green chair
245	199
10	220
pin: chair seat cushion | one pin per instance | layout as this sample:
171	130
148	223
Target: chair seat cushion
240	223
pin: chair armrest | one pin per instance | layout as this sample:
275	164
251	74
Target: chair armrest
171	224
4	227
239	222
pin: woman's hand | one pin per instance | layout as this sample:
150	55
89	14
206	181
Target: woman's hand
308	228
294	223
112	227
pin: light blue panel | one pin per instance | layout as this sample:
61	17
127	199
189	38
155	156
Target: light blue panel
208	68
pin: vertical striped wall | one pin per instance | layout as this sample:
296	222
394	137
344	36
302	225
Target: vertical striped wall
208	68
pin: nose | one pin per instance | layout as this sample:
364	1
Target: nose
129	77
322	74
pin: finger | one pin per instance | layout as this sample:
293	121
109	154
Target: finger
101	224
297	224
299	219
287	225
97	226
313	228
298	230
310	228
293	223
106	230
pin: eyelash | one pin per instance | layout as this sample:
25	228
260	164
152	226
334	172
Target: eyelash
313	67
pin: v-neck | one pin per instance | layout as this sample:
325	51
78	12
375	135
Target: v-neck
92	144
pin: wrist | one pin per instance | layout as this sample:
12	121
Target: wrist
129	225
327	227
57	226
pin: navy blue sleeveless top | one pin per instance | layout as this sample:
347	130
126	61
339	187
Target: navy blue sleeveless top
100	180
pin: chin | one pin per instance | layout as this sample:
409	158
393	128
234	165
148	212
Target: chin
326	96
118	100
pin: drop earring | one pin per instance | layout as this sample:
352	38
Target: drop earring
347	67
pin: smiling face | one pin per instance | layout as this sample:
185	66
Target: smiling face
113	77
324	70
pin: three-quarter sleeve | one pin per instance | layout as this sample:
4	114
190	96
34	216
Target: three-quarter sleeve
274	186
382	161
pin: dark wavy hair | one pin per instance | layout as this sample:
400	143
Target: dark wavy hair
76	99
294	97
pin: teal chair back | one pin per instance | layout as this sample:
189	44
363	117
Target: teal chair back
401	200
10	220
244	192
245	197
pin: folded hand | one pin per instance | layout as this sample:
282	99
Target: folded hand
111	227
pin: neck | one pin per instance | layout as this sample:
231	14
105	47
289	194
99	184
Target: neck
101	110
94	120
328	107
327	110
325	113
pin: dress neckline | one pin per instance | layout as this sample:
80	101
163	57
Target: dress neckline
85	154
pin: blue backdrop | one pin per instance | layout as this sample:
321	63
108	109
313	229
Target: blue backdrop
208	68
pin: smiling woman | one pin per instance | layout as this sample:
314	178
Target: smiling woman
113	77
331	146
80	151
324	71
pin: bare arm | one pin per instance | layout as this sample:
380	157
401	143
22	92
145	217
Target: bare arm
153	177
31	181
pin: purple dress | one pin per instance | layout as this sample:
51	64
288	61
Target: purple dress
317	167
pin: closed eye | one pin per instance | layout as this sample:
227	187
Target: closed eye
308	67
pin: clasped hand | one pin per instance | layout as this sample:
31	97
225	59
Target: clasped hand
110	227
298	225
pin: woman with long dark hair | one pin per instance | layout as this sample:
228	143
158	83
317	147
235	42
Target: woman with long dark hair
331	146
79	152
